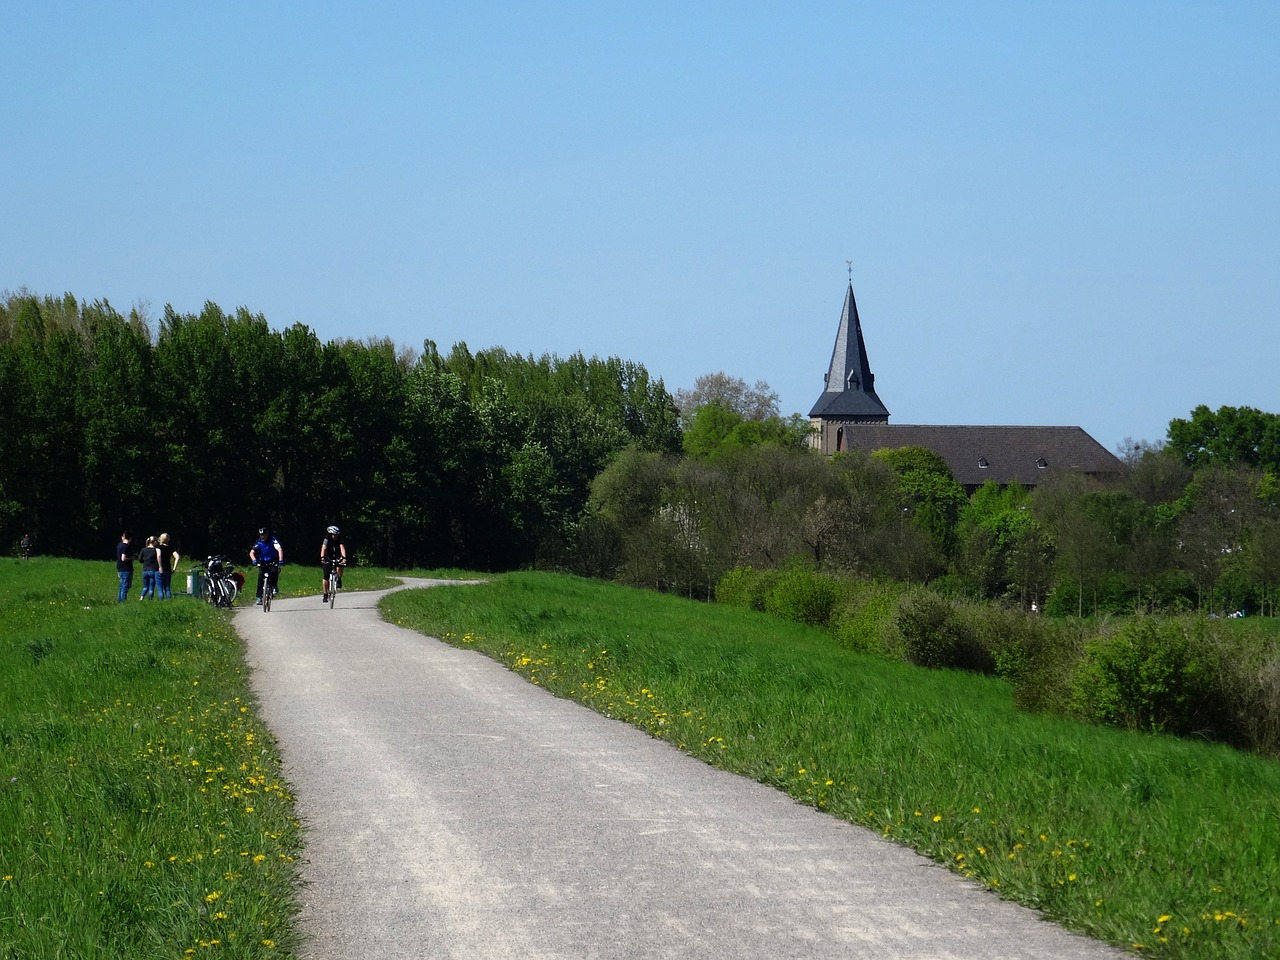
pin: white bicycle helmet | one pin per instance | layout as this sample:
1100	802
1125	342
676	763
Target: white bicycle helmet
332	529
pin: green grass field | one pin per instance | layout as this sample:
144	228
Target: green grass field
141	809
1165	847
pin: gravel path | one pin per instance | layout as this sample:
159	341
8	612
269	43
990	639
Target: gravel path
454	810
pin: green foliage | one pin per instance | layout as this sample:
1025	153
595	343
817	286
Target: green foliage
715	430
1230	435
802	595
934	635
745	587
1152	674
930	494
863	621
210	425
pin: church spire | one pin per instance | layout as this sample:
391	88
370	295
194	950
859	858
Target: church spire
850	393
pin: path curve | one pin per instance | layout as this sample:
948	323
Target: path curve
453	810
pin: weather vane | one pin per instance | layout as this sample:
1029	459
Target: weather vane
850	263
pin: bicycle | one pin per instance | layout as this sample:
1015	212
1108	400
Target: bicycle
333	580
270	582
220	586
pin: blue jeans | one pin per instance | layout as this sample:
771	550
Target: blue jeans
126	581
149	580
166	584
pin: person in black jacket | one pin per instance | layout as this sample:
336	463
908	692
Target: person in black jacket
332	550
124	565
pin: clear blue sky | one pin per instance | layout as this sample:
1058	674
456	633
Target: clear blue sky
1058	213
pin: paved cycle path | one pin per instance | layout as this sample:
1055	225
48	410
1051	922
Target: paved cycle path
454	810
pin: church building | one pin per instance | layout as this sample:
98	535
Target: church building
850	416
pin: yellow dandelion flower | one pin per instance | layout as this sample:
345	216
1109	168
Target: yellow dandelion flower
937	818
1164	918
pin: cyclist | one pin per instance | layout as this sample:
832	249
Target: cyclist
332	550
266	551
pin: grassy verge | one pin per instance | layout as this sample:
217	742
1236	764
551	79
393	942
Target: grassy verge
141	809
1165	847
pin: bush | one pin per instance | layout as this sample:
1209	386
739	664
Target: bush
1034	653
933	635
745	587
1249	679
863	619
1153	674
802	596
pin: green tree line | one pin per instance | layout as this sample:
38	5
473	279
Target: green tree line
1192	523
210	425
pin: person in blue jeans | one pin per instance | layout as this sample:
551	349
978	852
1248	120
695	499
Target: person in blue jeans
169	558
149	557
124	566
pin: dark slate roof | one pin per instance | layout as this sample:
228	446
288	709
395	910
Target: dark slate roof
976	454
850	403
851	387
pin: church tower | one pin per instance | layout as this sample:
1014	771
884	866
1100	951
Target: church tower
850	395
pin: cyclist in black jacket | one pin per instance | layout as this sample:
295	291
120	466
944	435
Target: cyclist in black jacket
332	550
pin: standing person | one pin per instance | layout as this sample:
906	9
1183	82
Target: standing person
149	557
266	550
169	558
26	545
124	565
332	550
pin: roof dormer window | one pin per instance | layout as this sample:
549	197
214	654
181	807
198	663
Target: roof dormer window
1042	463
983	463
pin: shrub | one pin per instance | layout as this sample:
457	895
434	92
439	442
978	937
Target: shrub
932	633
802	596
1248	677
745	587
863	619
1153	674
1034	653
1001	638
734	588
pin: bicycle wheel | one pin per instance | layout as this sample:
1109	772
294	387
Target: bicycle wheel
268	591
333	588
206	591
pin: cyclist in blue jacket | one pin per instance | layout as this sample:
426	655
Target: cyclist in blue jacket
266	551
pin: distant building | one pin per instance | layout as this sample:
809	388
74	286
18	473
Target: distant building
850	416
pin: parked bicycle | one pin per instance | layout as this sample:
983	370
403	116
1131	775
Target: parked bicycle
221	581
270	584
333	580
